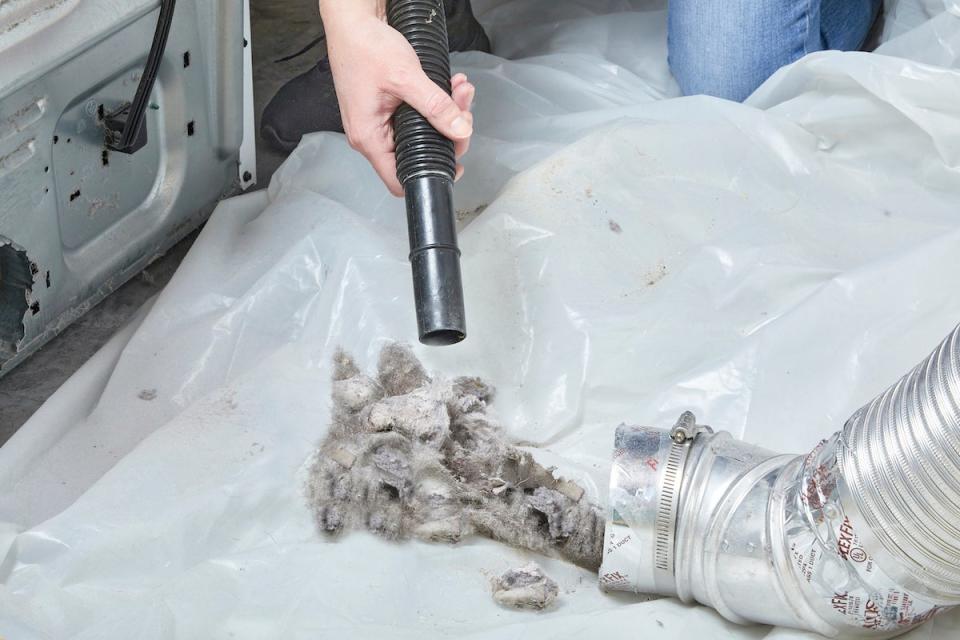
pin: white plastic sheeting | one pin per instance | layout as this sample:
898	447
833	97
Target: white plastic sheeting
770	266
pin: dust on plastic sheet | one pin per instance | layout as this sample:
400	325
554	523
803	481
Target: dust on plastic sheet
777	264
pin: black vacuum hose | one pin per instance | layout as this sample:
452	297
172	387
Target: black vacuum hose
426	166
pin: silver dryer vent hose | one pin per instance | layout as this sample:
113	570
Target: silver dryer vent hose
859	538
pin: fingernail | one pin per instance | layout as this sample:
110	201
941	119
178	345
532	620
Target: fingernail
460	127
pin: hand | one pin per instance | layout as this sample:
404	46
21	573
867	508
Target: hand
375	70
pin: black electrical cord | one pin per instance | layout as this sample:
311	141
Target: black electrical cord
302	50
130	138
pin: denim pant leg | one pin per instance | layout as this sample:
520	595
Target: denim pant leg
845	24
727	48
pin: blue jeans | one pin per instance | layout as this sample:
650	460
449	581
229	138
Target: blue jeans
727	48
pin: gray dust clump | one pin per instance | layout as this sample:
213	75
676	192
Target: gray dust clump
408	455
525	588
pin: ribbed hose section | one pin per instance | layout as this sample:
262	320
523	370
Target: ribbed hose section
426	166
421	150
900	456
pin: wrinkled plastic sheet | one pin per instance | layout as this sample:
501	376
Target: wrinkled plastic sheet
628	255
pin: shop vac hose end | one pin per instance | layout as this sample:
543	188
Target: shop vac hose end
426	166
435	259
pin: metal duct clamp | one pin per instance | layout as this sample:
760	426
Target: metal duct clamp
426	166
645	487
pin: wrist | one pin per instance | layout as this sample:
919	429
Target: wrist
343	12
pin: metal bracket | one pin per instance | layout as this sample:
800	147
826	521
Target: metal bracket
686	428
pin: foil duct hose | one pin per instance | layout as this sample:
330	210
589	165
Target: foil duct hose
858	538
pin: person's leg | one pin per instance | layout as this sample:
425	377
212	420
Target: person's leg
845	24
727	48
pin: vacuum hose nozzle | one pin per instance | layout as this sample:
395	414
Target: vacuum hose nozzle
426	166
860	537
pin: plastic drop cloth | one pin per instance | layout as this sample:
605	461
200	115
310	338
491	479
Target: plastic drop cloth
770	266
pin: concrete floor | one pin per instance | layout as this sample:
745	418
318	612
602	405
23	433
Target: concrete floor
280	28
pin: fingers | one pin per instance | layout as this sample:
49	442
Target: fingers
382	157
385	164
463	93
375	143
449	114
437	107
457	79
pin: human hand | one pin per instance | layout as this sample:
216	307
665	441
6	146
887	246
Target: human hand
375	70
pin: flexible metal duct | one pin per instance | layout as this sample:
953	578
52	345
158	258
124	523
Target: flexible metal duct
861	537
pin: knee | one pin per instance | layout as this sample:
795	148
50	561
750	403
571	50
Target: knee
718	53
697	74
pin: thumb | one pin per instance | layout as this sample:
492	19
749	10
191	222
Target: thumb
424	95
